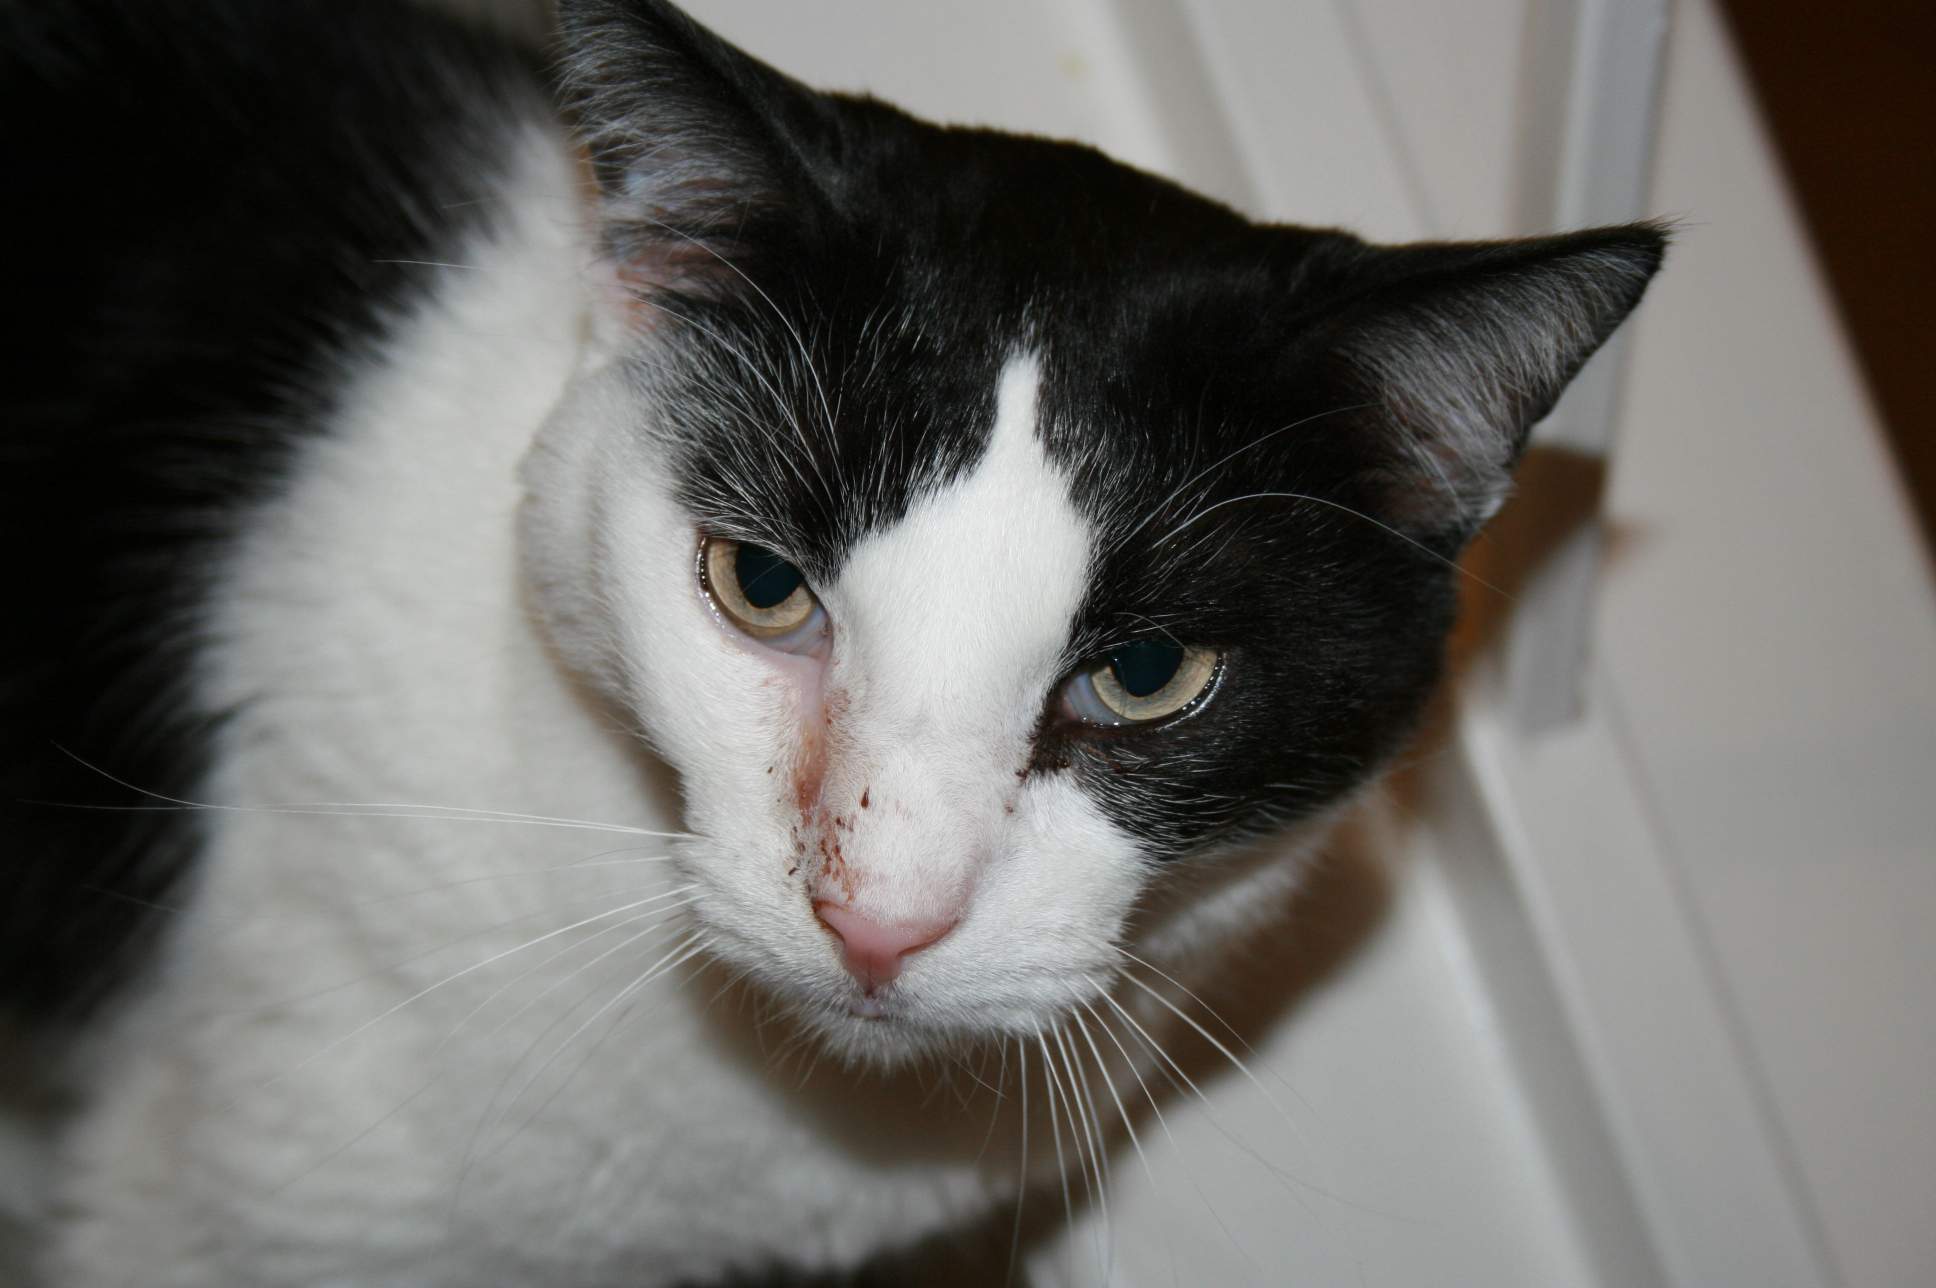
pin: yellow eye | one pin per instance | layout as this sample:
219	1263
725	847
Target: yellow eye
1144	681
758	591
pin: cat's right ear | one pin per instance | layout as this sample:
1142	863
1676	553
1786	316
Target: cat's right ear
705	157
1449	353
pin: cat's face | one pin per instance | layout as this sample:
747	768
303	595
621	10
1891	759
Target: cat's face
986	532
865	765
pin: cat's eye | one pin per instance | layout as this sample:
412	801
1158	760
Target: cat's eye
761	593
1141	682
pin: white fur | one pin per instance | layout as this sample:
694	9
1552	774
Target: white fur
344	1077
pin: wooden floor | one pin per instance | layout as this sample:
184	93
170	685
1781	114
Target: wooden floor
1848	91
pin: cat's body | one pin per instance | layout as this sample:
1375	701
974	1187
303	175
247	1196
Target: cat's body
1004	405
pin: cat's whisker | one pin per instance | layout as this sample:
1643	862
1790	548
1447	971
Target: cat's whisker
1022	1183
346	809
974	1075
487	1120
1000	1097
577	971
472	1158
664	916
943	1068
1102	1067
1051	1085
940	1084
1174	1072
420	994
811	1053
369	809
1167	1065
602	859
1212	1012
1156	1108
781	1055
1134	1066
1172	980
1085	1103
674	958
1226	1052
337	1151
1343	509
1082	1108
430	263
733	981
391	967
1160	507
438	1077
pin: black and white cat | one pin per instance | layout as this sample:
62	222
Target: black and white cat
543	608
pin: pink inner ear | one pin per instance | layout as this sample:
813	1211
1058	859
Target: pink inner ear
649	255
654	267
642	276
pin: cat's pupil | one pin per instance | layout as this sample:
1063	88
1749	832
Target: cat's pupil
1146	666
764	578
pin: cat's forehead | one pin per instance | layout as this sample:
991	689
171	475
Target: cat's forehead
832	437
981	579
854	358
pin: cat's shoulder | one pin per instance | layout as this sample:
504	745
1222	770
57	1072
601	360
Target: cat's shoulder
209	202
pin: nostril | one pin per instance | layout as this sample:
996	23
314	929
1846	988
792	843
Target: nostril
873	951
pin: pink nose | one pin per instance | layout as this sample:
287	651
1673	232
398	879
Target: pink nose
874	952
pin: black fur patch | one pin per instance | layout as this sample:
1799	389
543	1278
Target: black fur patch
206	204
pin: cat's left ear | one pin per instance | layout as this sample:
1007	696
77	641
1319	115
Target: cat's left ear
704	155
1454	351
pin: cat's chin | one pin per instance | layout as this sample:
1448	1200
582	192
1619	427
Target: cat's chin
886	1043
883	1032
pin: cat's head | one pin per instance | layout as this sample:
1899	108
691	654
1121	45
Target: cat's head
988	532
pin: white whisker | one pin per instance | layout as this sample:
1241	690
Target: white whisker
471	1156
1227	1053
1224	460
1051	1084
354	809
452	978
1084	1109
1344	509
484	1115
1022	1184
1163	1058
1102	1067
438	1077
600	860
678	955
1001	1098
430	263
390	967
1285	1178
664	915
1172	980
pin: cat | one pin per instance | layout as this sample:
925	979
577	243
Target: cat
553	595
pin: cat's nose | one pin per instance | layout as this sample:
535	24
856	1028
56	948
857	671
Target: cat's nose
874	952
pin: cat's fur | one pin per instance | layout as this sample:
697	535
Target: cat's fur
359	449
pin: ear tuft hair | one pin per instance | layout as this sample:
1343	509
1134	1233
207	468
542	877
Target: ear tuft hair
1461	349
691	140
